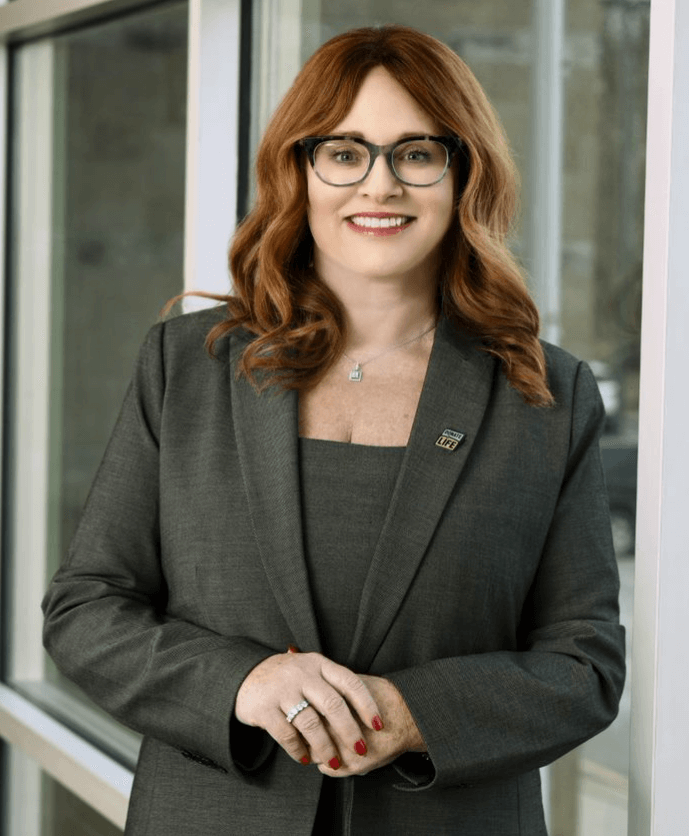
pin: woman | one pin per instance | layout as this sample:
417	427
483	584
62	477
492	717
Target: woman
382	468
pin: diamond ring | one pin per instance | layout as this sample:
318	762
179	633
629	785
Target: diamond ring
292	713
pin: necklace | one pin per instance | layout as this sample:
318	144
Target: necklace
356	374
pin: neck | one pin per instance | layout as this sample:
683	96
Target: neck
376	324
380	313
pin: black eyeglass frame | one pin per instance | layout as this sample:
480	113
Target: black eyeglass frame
452	145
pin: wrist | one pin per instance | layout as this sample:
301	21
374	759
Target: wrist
413	740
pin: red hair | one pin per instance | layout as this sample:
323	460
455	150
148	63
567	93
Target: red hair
297	320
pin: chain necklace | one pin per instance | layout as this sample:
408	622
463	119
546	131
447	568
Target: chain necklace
356	374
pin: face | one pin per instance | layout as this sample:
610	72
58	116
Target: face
344	248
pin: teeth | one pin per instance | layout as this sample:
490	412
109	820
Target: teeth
376	223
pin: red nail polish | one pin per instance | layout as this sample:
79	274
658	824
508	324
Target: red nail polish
292	648
334	763
305	760
360	747
377	723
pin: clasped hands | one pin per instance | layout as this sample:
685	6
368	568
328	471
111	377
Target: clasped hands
354	723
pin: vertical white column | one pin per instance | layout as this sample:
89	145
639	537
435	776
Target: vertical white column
32	367
660	665
212	133
24	814
545	226
32	280
282	33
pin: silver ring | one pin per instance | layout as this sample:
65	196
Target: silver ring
292	713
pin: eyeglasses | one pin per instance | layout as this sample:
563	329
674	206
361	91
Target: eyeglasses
414	161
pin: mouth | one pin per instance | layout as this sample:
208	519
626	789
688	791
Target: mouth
379	223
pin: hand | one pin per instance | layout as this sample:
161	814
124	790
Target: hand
328	731
400	734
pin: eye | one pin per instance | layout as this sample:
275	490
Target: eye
414	154
341	153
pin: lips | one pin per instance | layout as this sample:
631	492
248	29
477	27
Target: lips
379	223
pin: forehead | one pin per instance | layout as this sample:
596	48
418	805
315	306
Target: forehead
383	111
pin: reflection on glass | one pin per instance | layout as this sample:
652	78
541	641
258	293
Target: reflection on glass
122	92
604	80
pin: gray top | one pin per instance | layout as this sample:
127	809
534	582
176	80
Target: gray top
345	494
345	491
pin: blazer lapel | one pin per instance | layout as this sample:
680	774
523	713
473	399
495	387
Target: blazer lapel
267	433
454	396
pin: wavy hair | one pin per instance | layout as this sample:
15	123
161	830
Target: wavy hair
298	322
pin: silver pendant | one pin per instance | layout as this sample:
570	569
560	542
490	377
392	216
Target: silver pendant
356	374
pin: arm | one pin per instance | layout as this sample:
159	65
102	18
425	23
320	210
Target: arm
106	624
490	715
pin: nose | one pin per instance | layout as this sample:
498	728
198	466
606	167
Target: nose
381	183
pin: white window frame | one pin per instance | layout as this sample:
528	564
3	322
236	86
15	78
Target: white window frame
660	664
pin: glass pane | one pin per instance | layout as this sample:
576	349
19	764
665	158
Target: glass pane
40	806
66	815
603	81
109	105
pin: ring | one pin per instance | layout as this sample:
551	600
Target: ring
292	713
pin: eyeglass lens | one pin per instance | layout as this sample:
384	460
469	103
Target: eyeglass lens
344	161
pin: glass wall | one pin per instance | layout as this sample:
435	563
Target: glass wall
591	298
97	229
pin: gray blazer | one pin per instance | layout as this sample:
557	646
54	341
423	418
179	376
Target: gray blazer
491	600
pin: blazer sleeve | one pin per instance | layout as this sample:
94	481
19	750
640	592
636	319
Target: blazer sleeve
496	714
106	625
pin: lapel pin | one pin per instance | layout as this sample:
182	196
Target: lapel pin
450	440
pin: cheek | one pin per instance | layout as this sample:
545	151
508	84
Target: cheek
446	209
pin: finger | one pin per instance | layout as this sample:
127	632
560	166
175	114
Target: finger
345	771
342	726
355	691
309	724
288	737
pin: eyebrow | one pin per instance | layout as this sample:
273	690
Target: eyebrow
405	135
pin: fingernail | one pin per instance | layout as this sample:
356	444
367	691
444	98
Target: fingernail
334	763
305	760
292	648
377	723
360	747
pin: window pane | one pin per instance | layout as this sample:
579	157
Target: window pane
98	209
41	806
597	277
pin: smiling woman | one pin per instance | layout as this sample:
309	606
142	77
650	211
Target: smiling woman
354	87
435	539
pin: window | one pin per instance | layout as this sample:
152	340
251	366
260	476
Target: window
96	249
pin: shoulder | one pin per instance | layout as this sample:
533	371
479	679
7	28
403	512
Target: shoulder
181	340
569	377
191	328
558	360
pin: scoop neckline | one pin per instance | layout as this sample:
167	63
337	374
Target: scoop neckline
350	444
